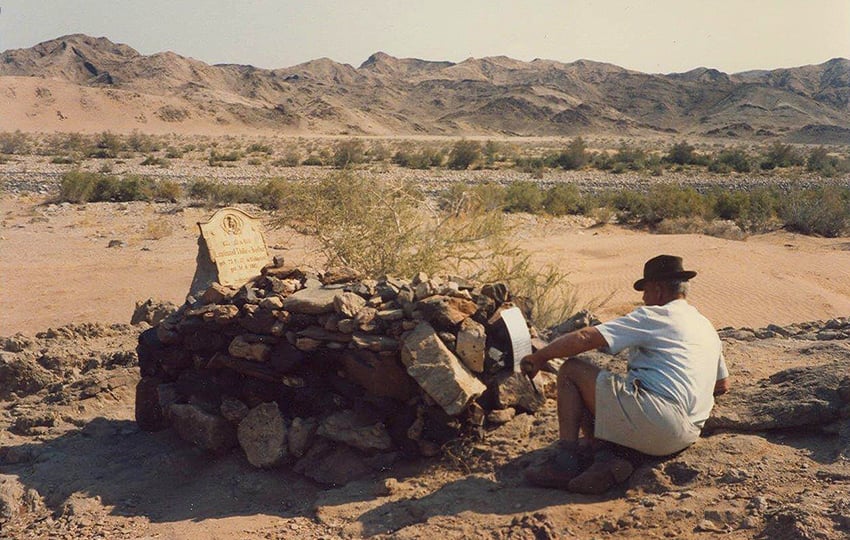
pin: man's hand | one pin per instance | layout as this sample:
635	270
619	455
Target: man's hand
529	366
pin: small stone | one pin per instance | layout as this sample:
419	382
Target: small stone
240	347
271	302
117	244
355	430
301	435
311	300
233	410
501	416
387	487
262	435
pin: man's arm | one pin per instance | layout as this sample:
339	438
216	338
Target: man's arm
576	342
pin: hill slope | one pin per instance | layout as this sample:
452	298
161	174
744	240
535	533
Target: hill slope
80	82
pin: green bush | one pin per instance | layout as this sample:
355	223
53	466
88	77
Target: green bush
681	153
151	160
14	143
348	153
575	156
523	196
62	160
107	146
173	153
821	162
216	158
464	154
824	211
167	190
259	148
313	161
142	143
77	186
730	160
668	201
781	155
563	199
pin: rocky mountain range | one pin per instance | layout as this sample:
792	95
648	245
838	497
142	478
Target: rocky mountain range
83	77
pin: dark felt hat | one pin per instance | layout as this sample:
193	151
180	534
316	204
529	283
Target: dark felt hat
663	268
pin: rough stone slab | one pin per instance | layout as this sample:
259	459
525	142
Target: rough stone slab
374	343
217	293
350	428
262	436
348	304
446	311
438	371
333	464
202	429
796	397
241	348
514	390
301	435
153	402
471	344
311	301
379	374
321	334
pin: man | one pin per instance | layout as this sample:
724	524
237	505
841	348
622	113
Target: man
675	368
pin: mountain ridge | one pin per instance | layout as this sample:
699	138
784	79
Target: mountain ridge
495	95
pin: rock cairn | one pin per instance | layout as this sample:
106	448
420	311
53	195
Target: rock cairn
331	373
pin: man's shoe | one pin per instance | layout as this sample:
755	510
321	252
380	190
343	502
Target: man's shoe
607	471
558	469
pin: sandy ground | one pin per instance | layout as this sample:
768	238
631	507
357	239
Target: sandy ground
57	268
90	473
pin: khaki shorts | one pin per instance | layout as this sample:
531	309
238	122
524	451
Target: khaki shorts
632	416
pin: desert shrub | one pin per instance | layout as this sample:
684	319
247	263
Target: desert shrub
729	160
142	143
77	186
424	159
668	201
62	160
291	158
259	148
313	161
732	205
760	211
378	151
174	153
348	153
563	199
216	157
128	188
575	156
630	158
681	153
66	143
464	153
213	194
824	210
167	190
535	166
14	143
493	152
271	193
151	160
781	155
523	196
107	145
821	162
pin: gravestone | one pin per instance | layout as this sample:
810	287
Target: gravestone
231	250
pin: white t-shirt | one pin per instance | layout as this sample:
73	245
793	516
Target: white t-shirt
675	353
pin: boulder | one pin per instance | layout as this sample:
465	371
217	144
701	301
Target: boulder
311	301
796	397
153	402
438	371
151	312
379	374
514	390
21	376
348	304
357	430
446	311
262	435
208	431
333	464
242	347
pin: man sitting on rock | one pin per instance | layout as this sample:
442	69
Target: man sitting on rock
675	368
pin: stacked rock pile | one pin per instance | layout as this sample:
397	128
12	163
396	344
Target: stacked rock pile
334	374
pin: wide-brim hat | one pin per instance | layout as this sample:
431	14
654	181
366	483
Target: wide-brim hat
663	268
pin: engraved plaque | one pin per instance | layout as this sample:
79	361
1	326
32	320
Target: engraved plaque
236	245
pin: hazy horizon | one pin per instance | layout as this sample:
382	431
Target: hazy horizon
665	37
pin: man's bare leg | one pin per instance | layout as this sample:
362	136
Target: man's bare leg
576	397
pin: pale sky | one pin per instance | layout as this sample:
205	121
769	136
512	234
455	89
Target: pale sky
656	36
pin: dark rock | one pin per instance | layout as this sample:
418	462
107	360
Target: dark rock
356	429
379	374
153	401
21	376
312	301
257	320
797	397
208	431
332	463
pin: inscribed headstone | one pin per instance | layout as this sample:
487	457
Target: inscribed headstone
234	242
